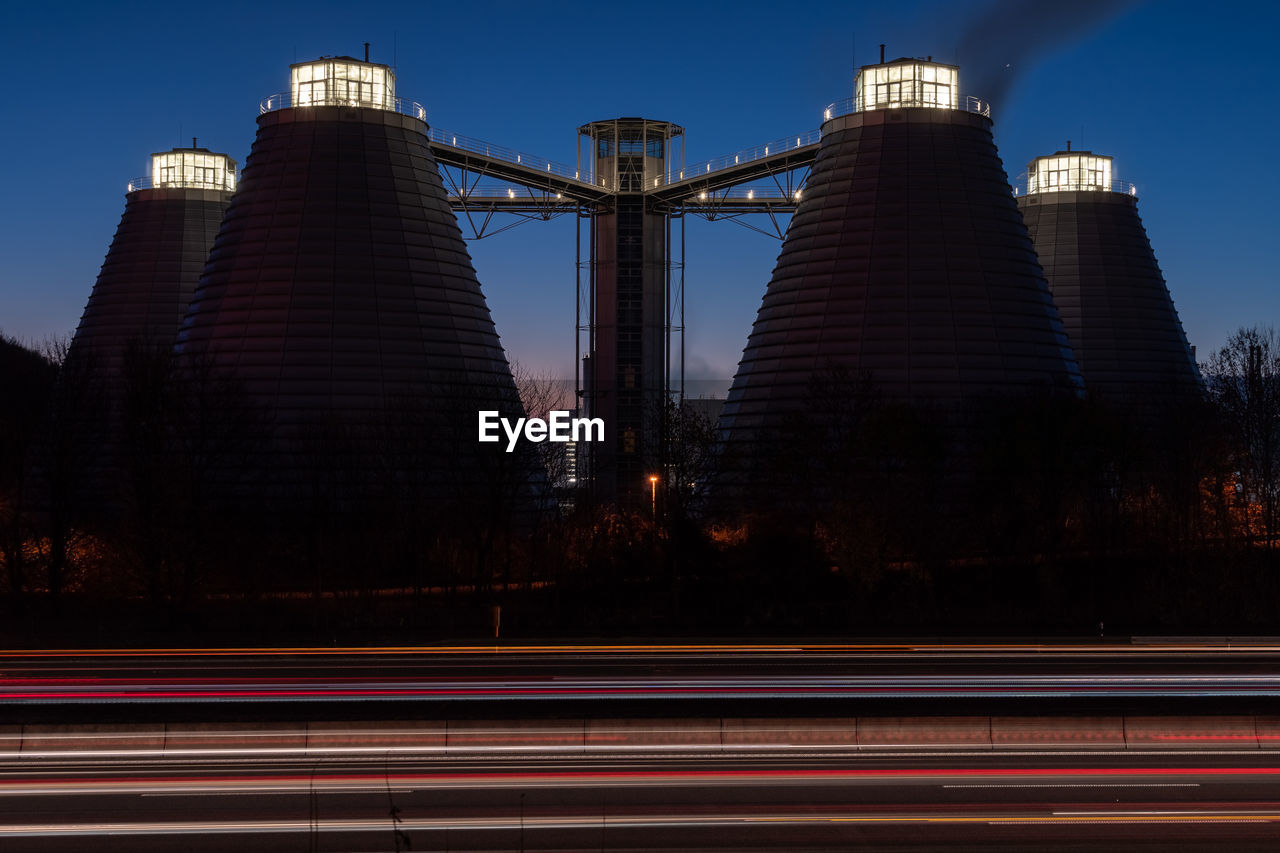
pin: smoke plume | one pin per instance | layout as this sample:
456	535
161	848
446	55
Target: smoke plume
1010	36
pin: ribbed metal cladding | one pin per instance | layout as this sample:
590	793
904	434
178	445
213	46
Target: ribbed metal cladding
1114	303
339	291
150	273
906	264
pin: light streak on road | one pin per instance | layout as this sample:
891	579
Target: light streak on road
330	780
1128	649
623	688
531	824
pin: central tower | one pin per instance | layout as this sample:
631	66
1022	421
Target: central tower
626	368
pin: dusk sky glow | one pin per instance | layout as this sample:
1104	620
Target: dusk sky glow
1178	92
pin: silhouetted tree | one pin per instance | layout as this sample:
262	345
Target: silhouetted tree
27	381
70	449
1244	381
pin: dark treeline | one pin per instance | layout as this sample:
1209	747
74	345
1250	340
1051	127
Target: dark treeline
126	514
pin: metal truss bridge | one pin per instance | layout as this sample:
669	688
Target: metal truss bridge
483	179
632	194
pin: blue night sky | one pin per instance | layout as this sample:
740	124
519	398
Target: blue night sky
1176	91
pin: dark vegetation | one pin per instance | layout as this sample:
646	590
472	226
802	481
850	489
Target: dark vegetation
120	523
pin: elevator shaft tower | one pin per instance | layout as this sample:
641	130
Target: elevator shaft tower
631	191
625	378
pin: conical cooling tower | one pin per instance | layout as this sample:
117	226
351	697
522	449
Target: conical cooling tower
1115	306
906	266
137	304
151	270
339	294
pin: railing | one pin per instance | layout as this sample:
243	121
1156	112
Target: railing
966	103
149	183
781	146
508	192
765	193
739	158
404	106
507	155
469	144
1021	188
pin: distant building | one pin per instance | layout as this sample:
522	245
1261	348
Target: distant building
151	270
1115	305
143	290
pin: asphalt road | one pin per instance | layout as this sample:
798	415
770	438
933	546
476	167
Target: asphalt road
1237	677
1031	800
581	765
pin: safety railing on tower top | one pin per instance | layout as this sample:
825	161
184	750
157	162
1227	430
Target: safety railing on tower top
228	184
1123	187
965	103
404	106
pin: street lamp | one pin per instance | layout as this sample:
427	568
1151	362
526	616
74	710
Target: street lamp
653	493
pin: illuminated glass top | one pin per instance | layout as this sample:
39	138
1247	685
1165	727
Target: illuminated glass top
194	168
908	83
1069	170
342	81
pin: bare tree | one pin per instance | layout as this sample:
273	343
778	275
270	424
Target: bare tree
27	380
71	449
541	394
1244	381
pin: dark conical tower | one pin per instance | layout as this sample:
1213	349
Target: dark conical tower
906	262
1114	303
906	268
160	247
147	280
340	296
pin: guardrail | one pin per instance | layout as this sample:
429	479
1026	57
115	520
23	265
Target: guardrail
284	100
149	183
738	158
748	193
965	103
515	192
1021	188
508	155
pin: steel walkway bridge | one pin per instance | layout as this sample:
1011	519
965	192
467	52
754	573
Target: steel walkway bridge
632	194
484	179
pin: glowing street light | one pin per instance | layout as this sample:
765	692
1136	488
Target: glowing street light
653	493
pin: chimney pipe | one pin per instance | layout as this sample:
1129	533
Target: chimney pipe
366	51
1068	145
193	142
882	54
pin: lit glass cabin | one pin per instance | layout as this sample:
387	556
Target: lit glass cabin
344	82
908	83
1069	171
193	168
